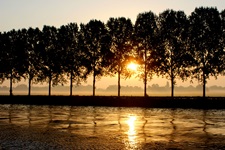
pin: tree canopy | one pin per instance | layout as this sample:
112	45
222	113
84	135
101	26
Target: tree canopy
171	44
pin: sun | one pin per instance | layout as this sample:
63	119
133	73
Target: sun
132	66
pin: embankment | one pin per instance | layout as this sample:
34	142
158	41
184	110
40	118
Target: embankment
123	101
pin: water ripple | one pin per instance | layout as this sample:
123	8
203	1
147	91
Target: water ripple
134	127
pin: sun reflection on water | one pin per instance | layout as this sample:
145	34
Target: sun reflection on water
130	128
131	132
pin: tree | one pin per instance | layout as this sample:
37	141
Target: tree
10	71
33	56
120	30
205	34
14	57
173	27
21	46
221	58
73	58
145	40
94	41
2	57
51	61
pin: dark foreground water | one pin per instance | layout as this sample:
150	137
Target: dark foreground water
123	127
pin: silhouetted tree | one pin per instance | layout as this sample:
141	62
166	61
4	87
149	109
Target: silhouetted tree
170	45
21	46
33	56
73	58
52	69
2	57
13	58
221	59
205	34
93	43
145	40
173	26
120	30
10	71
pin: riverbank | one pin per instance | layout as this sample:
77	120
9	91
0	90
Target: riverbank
123	101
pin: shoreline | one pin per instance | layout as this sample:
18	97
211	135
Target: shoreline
122	101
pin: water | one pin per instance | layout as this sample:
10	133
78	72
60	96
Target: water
134	127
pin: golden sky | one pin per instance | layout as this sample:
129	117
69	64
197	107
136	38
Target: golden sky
15	14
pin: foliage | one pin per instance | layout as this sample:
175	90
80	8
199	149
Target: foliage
173	27
95	46
171	45
145	43
120	30
205	34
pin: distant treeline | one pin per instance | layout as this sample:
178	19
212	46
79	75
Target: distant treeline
154	89
171	44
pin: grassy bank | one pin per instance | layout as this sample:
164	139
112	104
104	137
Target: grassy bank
123	101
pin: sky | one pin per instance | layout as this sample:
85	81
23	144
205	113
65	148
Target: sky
18	14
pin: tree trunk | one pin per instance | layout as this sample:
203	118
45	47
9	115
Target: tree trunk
49	86
119	87
10	90
172	75
29	86
204	85
94	83
172	87
204	78
145	87
145	79
71	84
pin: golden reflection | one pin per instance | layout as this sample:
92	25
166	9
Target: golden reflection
131	132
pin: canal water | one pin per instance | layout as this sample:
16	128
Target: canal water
134	127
